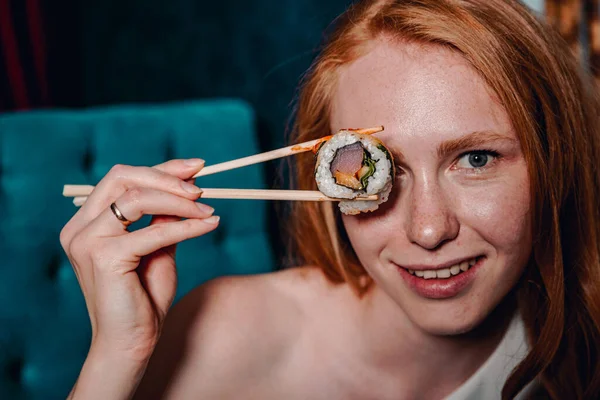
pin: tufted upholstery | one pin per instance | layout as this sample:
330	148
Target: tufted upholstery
44	327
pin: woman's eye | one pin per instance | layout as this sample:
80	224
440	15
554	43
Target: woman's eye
476	159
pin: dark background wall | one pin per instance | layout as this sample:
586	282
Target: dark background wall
115	51
99	52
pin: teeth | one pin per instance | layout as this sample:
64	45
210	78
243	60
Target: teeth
430	274
444	273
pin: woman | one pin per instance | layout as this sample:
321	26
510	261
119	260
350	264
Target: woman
494	132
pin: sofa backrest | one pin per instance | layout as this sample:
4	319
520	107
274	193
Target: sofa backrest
44	326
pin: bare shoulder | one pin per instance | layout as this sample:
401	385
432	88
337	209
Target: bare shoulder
306	285
231	329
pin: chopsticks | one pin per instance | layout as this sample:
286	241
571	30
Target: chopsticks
80	192
247	194
311	145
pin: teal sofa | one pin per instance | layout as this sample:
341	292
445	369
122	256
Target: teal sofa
44	326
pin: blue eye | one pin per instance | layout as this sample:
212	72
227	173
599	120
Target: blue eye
476	159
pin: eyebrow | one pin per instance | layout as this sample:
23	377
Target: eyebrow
470	140
473	139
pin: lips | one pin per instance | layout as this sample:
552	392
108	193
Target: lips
449	283
444	273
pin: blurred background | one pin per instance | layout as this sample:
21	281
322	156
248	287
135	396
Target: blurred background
79	54
86	85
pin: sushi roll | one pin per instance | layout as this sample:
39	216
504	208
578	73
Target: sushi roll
352	164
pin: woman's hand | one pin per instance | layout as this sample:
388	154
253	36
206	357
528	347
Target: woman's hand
128	278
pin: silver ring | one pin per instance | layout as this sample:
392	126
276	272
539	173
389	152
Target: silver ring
119	215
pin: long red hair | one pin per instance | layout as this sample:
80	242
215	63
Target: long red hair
555	110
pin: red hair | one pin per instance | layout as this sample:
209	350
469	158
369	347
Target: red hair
554	108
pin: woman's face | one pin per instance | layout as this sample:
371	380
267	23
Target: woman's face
461	196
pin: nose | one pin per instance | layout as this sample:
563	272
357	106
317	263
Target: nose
431	216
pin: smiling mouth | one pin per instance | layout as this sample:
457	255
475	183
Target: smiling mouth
444	273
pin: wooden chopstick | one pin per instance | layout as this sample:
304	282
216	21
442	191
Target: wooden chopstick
80	192
274	154
249	194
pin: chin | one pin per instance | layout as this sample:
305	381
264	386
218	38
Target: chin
449	317
443	325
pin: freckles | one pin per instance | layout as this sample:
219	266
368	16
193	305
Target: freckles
501	214
360	230
370	232
427	222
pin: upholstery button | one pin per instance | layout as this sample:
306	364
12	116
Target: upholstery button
53	267
169	150
88	160
14	370
219	234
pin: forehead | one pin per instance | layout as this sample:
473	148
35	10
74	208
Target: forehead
419	91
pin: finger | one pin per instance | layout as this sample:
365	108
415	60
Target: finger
137	202
162	219
123	177
157	270
152	238
120	178
159	219
158	276
182	169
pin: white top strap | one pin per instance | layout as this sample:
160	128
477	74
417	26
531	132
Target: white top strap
487	382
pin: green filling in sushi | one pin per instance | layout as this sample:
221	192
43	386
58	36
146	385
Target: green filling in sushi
367	170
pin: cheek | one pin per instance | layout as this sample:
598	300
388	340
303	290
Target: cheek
500	215
367	234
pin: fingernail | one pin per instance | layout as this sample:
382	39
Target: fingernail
212	220
188	187
194	162
205	208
